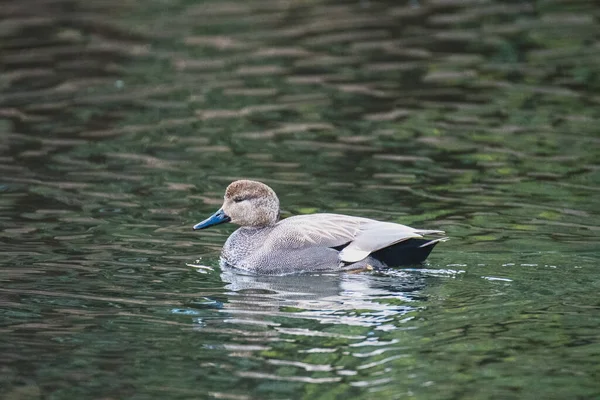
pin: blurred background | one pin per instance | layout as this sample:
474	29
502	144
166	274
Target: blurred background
122	122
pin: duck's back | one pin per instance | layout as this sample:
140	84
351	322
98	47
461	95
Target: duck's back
324	230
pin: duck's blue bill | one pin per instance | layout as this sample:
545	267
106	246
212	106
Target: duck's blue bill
217	218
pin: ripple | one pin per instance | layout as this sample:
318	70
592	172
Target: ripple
305	379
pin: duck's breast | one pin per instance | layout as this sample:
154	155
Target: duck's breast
244	243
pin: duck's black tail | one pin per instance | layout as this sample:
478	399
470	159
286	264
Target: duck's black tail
407	252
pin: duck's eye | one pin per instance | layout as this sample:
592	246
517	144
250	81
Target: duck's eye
238	199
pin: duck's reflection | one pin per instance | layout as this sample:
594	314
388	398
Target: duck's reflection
354	299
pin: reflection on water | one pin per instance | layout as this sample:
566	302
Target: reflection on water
266	318
122	122
322	297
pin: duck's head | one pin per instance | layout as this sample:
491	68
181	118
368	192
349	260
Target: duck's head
247	203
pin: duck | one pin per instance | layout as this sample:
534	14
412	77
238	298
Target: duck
323	242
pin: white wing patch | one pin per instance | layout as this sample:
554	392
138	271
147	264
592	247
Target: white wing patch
352	255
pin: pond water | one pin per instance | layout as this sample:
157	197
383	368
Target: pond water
123	121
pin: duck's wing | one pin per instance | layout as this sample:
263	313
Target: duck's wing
329	230
361	235
376	235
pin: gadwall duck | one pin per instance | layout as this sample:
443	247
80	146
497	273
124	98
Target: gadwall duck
264	244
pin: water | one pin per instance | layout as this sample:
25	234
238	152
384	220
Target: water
123	122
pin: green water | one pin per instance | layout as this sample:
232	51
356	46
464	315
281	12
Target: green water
121	124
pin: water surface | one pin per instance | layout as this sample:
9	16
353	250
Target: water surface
122	123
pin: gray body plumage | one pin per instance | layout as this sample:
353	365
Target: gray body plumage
308	243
